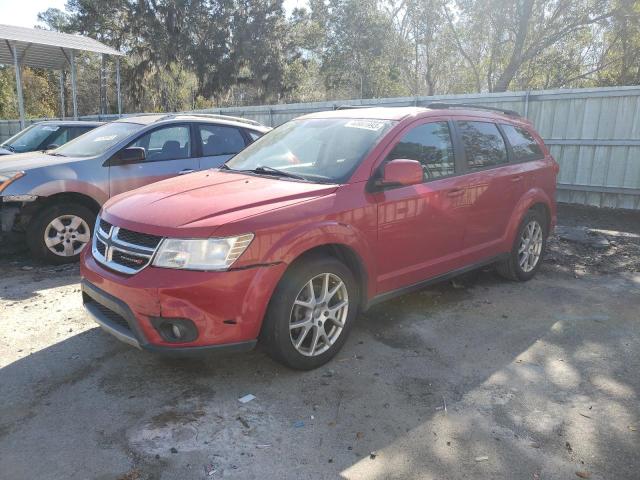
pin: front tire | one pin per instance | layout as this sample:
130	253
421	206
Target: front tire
311	313
58	233
528	249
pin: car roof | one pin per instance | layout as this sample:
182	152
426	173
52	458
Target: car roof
373	113
70	123
401	113
195	117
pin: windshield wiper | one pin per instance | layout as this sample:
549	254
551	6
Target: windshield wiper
8	147
275	171
54	154
264	170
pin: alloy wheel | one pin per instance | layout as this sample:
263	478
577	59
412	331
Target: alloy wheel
530	247
318	314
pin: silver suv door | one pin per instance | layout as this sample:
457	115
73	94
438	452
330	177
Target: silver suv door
168	151
218	143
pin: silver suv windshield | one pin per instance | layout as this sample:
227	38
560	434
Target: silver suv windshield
30	138
317	149
98	140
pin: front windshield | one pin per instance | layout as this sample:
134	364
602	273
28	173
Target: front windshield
98	140
30	138
317	149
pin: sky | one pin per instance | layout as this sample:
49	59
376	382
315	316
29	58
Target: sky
26	14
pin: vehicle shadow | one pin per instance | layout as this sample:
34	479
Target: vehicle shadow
427	386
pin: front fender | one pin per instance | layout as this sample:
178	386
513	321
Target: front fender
330	232
71	186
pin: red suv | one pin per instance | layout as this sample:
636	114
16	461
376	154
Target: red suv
319	219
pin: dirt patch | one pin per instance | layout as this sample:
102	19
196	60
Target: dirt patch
605	218
618	252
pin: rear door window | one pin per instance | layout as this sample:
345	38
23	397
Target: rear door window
523	145
483	144
220	140
430	144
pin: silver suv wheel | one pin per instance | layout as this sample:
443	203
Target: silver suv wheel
67	235
318	314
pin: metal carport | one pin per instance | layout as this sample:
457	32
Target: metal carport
38	48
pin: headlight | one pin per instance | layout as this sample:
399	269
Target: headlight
205	254
7	178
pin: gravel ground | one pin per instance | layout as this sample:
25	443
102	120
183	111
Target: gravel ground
479	379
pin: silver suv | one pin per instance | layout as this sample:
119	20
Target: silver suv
54	197
45	135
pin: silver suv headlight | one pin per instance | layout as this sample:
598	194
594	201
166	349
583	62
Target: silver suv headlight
201	254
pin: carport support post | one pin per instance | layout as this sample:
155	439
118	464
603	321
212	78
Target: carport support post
103	87
16	65
118	86
62	94
74	92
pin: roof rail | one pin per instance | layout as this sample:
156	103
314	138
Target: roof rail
216	116
352	107
443	105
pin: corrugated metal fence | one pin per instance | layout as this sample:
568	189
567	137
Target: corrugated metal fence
593	133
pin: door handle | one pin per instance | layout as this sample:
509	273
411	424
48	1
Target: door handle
185	171
455	192
516	179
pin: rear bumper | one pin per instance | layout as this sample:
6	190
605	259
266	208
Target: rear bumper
226	308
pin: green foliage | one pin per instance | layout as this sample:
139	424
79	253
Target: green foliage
8	107
40	95
185	54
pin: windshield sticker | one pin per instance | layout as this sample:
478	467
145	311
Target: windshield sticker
374	125
51	128
106	138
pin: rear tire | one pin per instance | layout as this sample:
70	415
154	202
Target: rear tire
528	249
60	232
311	313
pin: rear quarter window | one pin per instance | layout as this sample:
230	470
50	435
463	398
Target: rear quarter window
483	144
523	145
254	135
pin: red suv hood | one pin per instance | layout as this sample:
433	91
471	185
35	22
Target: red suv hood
196	204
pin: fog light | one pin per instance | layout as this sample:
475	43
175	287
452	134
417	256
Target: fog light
176	331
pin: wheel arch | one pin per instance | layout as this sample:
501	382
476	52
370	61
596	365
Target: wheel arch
30	211
346	255
544	209
343	241
69	197
534	199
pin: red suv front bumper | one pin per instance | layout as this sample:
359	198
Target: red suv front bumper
226	308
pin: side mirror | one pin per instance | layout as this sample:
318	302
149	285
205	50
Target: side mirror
401	172
53	146
130	155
